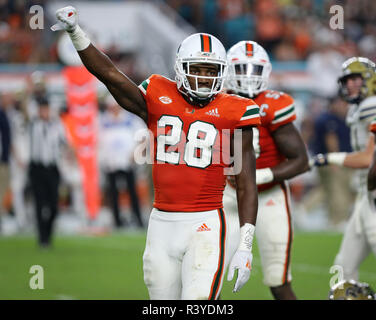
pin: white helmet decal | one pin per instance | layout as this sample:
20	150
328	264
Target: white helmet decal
249	68
200	48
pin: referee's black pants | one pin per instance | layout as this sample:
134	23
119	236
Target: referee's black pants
45	186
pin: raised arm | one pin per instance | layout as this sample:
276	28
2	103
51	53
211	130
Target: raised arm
124	90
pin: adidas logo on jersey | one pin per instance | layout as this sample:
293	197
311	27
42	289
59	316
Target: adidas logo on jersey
213	112
203	227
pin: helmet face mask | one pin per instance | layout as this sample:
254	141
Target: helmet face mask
354	86
196	52
247	78
249	71
191	81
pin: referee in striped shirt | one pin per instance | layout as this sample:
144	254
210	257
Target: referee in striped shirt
47	143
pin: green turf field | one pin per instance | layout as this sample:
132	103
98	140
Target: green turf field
110	267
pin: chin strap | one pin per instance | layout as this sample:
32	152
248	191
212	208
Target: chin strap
247	96
201	102
196	101
356	100
343	93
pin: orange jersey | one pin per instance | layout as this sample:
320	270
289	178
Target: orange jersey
189	144
372	126
276	109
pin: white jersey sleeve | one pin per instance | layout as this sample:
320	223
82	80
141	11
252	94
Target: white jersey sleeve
367	109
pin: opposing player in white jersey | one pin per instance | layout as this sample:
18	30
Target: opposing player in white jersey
185	249
360	233
280	155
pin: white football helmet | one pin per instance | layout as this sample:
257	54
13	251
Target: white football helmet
197	49
249	68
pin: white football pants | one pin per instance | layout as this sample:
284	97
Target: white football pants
274	232
184	256
359	238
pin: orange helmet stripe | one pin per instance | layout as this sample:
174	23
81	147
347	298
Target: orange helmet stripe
249	49
206	45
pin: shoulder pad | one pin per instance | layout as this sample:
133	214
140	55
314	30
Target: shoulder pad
275	98
367	108
369	101
154	77
160	77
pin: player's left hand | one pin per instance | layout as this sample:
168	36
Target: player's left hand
319	160
241	261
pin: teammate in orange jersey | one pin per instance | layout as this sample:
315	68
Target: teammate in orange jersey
185	249
280	155
371	178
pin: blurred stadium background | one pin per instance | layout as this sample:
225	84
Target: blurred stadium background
90	258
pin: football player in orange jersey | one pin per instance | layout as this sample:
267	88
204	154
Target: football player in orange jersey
185	249
280	155
371	178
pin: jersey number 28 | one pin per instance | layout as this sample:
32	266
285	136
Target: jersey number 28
199	142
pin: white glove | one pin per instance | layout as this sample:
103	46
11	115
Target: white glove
242	261
67	19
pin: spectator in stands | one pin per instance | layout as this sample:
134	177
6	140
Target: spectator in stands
236	21
324	64
116	148
269	24
268	19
